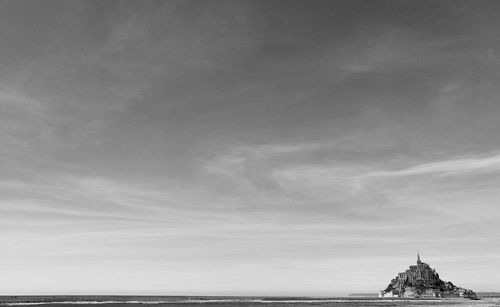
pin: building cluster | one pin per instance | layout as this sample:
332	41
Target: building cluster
419	275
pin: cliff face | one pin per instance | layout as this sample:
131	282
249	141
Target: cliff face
421	280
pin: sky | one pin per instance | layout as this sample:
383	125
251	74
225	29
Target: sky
264	147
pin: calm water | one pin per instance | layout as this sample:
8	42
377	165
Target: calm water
172	301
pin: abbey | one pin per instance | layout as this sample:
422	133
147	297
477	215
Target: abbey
421	280
420	274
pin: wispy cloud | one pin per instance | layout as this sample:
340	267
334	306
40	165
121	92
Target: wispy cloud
22	121
462	166
357	187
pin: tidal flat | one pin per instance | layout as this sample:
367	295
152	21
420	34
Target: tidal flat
190	301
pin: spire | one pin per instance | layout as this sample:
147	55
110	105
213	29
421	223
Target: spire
418	258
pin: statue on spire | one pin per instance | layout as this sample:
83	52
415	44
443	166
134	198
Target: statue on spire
418	258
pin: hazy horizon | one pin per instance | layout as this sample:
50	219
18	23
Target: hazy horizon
247	147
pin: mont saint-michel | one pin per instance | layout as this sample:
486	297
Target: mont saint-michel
423	281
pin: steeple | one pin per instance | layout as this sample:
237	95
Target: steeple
418	258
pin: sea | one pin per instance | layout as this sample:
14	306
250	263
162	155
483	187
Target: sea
226	301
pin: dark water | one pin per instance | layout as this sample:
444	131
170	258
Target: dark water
186	301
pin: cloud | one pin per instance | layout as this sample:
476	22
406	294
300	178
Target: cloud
87	200
22	121
463	166
357	189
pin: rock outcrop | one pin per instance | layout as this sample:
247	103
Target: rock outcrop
422	281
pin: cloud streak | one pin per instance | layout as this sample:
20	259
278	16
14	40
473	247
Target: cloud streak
463	166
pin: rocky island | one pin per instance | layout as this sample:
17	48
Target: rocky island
422	281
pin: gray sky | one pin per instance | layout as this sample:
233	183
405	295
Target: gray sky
247	147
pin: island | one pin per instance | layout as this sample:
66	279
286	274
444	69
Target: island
422	281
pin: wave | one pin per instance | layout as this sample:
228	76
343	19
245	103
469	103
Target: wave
207	301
